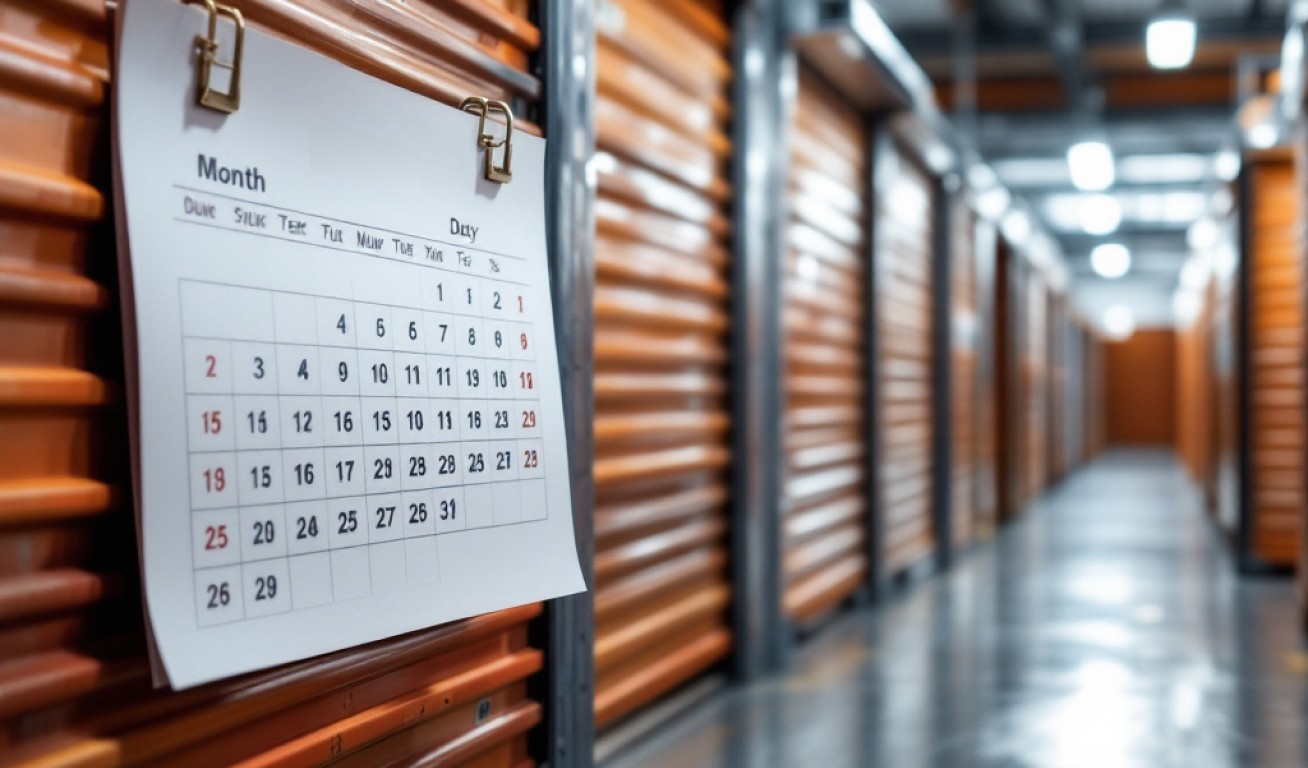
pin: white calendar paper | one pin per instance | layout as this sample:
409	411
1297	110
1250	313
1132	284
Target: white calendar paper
349	420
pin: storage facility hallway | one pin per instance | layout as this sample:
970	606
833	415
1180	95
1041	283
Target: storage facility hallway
654	383
1107	628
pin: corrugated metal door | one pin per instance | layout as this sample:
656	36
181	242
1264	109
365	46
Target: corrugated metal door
988	361
74	682
1275	361
905	212
661	310
1035	386
964	383
824	503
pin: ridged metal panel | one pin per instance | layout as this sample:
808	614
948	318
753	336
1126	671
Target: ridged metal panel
1276	406
74	682
905	213
824	501
662	418
1035	382
965	395
989	327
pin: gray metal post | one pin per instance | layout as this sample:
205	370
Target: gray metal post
567	66
1245	557
878	579
942	452
758	173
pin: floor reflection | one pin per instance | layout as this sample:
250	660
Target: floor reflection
1106	629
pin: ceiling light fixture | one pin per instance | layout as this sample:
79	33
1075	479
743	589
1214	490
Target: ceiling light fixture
1091	164
1016	226
1202	235
1110	260
1170	37
1227	164
1100	214
1119	322
1263	135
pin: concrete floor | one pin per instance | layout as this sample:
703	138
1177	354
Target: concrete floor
1106	629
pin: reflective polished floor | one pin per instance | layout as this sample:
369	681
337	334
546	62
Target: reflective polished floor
1106	629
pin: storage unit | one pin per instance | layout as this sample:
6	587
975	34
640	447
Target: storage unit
824	277
662	303
74	681
966	404
903	323
986	338
1034	386
1194	396
1273	275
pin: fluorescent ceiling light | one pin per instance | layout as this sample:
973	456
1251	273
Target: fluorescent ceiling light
1227	164
1016	226
1173	168
1110	260
1263	135
992	203
1202	235
1091	164
1169	42
1119	322
981	177
1100	214
1186	306
1194	275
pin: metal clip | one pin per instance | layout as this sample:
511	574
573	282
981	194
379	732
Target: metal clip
482	106
206	96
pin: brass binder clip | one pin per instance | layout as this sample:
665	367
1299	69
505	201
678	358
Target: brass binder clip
482	106
208	46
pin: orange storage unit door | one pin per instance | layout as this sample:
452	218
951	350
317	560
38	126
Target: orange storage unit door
905	216
987	360
74	681
965	385
1035	386
661	306
1276	361
824	501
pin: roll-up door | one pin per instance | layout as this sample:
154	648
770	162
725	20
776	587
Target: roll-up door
661	308
905	241
825	346
1275	362
75	685
988	361
964	383
1056	414
1035	386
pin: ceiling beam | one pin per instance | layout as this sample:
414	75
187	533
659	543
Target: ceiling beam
1065	40
1093	34
1120	91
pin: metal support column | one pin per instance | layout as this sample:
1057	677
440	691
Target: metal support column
758	176
1244	359
881	153
567	69
942	458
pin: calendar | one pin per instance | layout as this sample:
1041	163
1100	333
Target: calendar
344	382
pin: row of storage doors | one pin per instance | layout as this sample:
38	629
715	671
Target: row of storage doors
860	344
1241	416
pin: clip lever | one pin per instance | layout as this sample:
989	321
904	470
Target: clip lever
207	96
483	106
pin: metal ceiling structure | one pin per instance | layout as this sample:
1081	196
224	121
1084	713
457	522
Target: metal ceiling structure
1026	78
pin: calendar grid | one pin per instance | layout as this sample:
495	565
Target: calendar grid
331	440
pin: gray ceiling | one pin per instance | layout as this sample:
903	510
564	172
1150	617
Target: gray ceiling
1164	156
914	15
